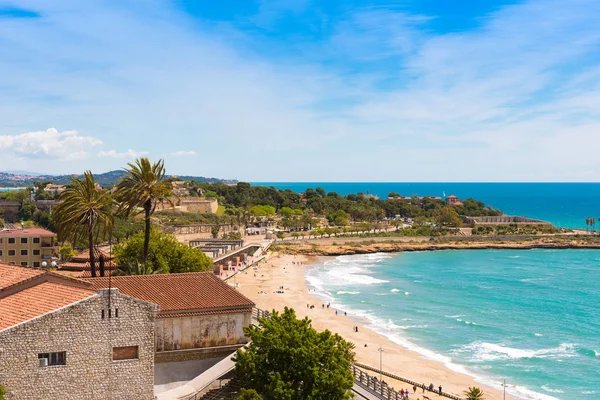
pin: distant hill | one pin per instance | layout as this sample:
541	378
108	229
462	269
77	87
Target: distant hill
22	178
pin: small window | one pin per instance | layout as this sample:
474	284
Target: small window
1	253
36	252
36	264
1	239
125	353
12	240
12	253
24	240
24	252
36	240
23	263
59	358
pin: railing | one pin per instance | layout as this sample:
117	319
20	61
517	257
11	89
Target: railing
399	378
378	388
258	313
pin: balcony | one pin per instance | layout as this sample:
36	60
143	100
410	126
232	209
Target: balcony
49	244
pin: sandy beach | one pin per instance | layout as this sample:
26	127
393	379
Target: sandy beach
288	271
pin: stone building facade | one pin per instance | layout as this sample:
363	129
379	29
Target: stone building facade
200	315
102	347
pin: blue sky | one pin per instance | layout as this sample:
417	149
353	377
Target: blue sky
300	90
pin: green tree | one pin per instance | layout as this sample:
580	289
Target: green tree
214	231
136	269
1	223
448	216
84	210
249	394
280	235
167	254
144	186
2	392
66	251
288	359
474	393
26	211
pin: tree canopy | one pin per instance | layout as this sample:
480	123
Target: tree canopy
474	393
288	359
166	254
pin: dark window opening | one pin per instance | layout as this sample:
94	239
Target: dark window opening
102	314
59	358
116	313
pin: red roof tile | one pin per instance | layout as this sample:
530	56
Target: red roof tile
26	232
12	274
37	301
209	312
187	292
84	256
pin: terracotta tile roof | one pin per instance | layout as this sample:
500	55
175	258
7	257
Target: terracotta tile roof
77	266
209	312
26	232
37	301
187	292
84	256
12	274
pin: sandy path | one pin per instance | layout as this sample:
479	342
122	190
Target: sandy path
279	271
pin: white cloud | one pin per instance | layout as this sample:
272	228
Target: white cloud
127	154
502	100
183	153
51	143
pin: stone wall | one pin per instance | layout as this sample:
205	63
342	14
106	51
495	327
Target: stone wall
88	340
192	204
201	331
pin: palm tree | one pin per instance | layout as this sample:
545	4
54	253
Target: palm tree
474	393
587	223
84	209
144	186
135	268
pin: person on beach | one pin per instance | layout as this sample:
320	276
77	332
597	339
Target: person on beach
415	389
423	388
440	390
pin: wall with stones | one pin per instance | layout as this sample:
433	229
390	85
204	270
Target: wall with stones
90	372
201	331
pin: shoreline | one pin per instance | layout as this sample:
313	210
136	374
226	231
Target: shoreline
356	246
398	356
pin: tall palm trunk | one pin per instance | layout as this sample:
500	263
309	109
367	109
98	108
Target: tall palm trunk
91	243
147	210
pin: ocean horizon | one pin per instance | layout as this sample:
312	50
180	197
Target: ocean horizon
566	205
527	316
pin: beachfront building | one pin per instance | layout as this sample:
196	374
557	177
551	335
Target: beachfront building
201	316
452	200
29	247
59	339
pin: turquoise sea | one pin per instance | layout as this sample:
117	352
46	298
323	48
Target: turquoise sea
531	317
566	205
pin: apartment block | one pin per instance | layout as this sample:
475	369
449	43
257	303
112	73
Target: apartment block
27	247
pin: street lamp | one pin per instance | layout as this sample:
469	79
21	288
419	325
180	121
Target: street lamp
380	349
